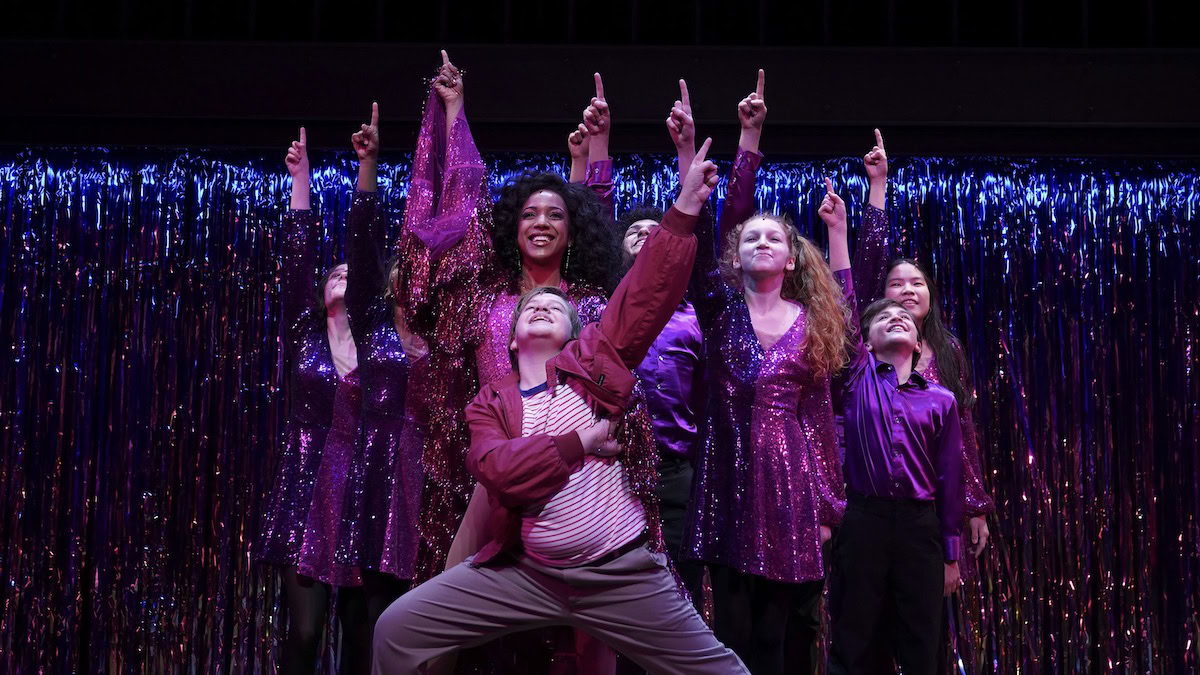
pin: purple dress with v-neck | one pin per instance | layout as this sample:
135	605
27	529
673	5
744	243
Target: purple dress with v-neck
769	472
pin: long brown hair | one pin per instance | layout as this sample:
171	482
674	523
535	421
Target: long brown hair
810	284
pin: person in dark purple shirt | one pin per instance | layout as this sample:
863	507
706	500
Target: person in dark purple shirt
896	553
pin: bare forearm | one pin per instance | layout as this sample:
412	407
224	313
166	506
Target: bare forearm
749	139
367	176
878	196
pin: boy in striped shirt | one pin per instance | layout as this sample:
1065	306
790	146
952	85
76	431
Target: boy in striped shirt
568	535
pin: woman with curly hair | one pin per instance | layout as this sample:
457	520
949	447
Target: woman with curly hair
481	258
769	480
943	361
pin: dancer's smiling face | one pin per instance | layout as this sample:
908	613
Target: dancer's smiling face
909	287
636	235
543	228
892	327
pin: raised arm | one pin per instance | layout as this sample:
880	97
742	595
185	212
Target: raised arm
365	246
833	213
577	148
873	248
448	173
683	130
301	241
597	123
739	198
653	288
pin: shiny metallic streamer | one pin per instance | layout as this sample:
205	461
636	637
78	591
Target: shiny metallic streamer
141	395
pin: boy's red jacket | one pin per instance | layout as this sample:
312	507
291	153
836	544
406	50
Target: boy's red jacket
519	471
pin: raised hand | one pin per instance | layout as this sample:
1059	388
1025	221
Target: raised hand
297	166
699	182
297	157
752	110
876	160
448	83
578	141
833	209
577	146
366	139
833	213
680	123
596	116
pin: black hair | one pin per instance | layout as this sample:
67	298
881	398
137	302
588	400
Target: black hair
592	254
948	352
319	312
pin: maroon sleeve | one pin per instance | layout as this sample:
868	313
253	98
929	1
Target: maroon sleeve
517	471
652	289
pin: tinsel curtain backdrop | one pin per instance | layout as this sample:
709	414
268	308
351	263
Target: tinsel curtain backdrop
141	393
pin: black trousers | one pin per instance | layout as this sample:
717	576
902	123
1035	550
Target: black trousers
885	591
674	495
751	616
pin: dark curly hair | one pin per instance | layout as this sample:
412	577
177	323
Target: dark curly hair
592	254
948	352
639	212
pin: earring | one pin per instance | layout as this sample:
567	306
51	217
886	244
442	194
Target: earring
567	264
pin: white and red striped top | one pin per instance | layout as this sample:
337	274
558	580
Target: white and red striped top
596	512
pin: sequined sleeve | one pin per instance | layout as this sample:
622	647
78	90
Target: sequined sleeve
978	500
446	218
826	457
365	253
739	198
709	295
600	181
299	270
872	251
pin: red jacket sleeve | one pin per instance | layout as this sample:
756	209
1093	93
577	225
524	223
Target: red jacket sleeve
517	471
652	289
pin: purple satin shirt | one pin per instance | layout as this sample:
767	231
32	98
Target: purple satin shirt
671	374
902	441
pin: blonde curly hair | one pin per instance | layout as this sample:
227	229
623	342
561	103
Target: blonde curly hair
811	284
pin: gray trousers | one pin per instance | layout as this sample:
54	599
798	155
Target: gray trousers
631	603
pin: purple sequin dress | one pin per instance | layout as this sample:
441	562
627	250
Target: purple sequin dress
322	418
769	472
381	514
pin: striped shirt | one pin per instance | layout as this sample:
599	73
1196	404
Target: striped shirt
596	512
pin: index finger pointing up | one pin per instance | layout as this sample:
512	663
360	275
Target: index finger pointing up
683	93
599	86
761	81
445	58
828	185
374	114
303	137
702	153
879	139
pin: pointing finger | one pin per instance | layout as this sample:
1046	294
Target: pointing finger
375	112
683	93
761	81
303	137
879	139
599	86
